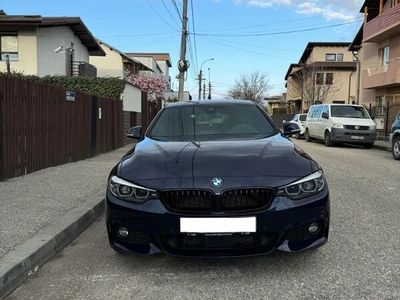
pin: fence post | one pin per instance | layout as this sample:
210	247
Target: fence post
387	119
370	109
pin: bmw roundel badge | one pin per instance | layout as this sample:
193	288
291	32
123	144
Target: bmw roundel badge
217	182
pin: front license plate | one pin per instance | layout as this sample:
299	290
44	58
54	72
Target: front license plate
218	225
357	137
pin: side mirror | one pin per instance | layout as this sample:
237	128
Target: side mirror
290	129
325	115
135	133
372	117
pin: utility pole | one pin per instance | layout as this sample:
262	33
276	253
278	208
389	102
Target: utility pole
200	79
204	91
183	65
209	84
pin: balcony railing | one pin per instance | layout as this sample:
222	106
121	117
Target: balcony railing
82	68
382	76
383	26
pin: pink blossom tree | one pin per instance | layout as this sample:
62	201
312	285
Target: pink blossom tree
154	86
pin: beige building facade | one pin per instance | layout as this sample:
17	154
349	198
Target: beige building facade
377	45
325	73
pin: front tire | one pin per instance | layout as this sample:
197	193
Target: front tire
307	136
368	146
396	148
328	141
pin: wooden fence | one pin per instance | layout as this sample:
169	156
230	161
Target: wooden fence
40	129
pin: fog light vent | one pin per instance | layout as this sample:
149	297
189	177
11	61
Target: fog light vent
314	228
123	232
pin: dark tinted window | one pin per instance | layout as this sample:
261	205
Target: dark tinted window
303	117
211	122
349	112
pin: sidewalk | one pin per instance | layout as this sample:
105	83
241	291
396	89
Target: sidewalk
44	211
383	145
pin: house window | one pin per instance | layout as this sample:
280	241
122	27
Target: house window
329	78
330	57
9	46
340	57
380	105
384	56
320	78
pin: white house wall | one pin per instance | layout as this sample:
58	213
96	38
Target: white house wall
132	98
50	38
110	65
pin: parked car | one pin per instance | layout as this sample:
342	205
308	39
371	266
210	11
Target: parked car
395	138
340	123
216	179
300	120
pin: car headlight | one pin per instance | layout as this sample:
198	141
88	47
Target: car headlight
373	127
304	187
128	191
338	126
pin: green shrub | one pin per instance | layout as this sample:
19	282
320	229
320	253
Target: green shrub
99	86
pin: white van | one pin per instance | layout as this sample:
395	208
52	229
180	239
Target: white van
340	123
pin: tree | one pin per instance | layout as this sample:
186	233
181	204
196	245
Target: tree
154	86
315	84
250	87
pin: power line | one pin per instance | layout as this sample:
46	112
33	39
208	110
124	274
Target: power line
279	32
169	12
244	50
194	36
177	9
161	18
265	24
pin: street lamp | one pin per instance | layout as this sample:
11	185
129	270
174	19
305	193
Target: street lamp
201	74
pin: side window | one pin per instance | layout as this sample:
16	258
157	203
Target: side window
325	110
318	112
310	113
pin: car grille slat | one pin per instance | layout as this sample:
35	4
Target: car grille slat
355	127
202	201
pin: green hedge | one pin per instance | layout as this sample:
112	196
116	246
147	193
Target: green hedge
99	86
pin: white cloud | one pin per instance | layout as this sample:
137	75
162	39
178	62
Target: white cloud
347	10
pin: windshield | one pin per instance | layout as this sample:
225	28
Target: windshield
349	112
303	118
211	122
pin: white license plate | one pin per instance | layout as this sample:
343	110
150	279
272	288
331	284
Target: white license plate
357	137
218	225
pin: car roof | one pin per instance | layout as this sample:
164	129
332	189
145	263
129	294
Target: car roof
336	104
210	102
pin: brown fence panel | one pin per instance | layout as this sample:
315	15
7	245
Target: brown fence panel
39	128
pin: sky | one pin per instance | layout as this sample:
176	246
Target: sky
242	36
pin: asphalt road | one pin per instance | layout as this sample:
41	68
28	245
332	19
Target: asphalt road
360	261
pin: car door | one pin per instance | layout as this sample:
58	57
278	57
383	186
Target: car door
324	122
316	120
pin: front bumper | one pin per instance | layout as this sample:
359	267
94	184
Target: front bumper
282	226
353	136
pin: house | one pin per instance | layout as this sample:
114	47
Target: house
377	46
158	63
325	73
117	64
37	45
276	105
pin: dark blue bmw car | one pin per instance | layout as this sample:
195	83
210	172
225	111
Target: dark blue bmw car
216	179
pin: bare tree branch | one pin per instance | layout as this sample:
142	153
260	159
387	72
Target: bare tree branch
250	87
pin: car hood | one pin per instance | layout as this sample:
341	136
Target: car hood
353	121
272	162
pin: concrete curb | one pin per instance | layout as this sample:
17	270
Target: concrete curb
382	148
22	262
